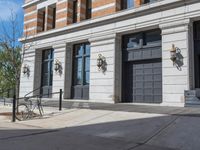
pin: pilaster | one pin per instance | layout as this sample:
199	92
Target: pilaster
102	83
68	71
58	76
175	80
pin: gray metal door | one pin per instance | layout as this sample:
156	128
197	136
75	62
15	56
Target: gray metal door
197	53
143	82
142	68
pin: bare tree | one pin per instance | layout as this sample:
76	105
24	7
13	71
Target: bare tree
12	52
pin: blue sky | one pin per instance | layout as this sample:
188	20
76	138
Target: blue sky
5	12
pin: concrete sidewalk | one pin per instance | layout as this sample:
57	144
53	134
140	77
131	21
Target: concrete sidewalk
116	127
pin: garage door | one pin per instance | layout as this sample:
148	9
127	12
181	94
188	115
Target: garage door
143	82
142	70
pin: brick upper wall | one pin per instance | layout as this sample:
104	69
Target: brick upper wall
138	2
104	7
30	20
64	13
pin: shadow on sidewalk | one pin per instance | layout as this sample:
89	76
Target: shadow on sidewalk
156	133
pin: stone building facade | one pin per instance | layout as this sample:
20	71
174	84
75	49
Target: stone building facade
131	41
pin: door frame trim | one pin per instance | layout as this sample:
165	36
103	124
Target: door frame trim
137	61
83	68
41	76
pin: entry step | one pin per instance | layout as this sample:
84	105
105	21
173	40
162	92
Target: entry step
192	97
80	105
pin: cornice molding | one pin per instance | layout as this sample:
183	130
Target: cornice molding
33	2
175	27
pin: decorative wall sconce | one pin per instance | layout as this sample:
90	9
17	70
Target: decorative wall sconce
26	70
173	53
101	63
58	66
176	57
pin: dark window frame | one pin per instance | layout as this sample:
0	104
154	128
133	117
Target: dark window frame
149	1
83	57
43	20
49	60
75	11
196	51
124	4
143	41
88	9
54	18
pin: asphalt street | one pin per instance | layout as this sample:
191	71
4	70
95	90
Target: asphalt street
90	126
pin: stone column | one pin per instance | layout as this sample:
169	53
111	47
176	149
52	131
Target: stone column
118	70
38	71
68	71
175	81
27	81
102	84
58	77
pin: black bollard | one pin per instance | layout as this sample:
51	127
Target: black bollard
14	107
60	100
